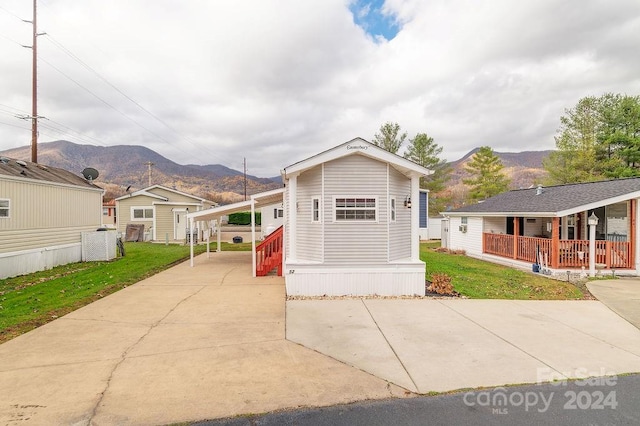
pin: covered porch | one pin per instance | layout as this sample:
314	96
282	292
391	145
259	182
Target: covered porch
567	242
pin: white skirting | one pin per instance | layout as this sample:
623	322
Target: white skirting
389	280
28	261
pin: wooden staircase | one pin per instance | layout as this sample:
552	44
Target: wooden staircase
269	254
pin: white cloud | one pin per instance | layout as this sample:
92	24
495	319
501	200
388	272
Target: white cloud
278	81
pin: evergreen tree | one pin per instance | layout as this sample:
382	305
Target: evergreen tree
487	177
389	137
424	151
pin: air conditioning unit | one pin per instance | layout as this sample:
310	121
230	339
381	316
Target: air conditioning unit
462	228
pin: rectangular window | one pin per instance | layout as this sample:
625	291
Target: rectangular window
315	209
392	209
4	207
141	213
277	213
355	209
463	220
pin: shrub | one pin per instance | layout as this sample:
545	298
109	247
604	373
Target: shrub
244	218
441	284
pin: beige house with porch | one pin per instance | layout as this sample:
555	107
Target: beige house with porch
162	211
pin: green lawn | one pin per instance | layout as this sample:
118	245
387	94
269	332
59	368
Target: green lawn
477	279
29	301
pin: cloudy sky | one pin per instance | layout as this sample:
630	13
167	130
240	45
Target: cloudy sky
276	81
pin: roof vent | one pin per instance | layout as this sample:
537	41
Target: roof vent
22	163
539	190
4	160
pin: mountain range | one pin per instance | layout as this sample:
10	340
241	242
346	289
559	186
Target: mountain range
135	166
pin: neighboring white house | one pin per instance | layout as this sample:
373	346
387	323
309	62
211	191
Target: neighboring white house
43	213
550	226
161	210
350	224
272	218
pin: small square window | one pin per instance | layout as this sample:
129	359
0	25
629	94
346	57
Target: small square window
4	208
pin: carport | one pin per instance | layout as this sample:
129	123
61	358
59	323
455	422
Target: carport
214	214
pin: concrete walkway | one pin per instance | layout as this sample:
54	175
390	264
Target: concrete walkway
622	296
448	344
186	344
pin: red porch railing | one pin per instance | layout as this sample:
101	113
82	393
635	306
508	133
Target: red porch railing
571	253
269	253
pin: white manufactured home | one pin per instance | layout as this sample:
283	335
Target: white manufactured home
43	213
350	224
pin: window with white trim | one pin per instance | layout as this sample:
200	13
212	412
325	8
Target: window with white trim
392	209
141	213
315	209
356	209
4	207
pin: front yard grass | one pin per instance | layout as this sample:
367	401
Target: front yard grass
29	301
477	279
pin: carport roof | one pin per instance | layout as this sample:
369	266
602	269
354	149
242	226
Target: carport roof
260	199
552	201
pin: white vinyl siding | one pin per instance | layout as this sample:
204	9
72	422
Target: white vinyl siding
309	233
496	225
470	241
400	230
357	242
5	206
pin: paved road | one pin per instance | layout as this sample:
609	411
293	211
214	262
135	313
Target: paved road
600	401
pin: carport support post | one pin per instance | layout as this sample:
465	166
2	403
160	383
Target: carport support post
191	239
253	236
219	229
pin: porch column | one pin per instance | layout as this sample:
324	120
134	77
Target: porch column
516	233
292	208
555	242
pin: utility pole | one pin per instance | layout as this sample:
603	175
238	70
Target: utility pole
244	161
34	86
149	164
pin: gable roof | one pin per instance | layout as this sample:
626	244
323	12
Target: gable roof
358	146
552	201
147	192
27	170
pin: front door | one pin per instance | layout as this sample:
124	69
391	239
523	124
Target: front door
180	224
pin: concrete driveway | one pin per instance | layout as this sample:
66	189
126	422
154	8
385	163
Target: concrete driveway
622	296
186	344
209	342
448	344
